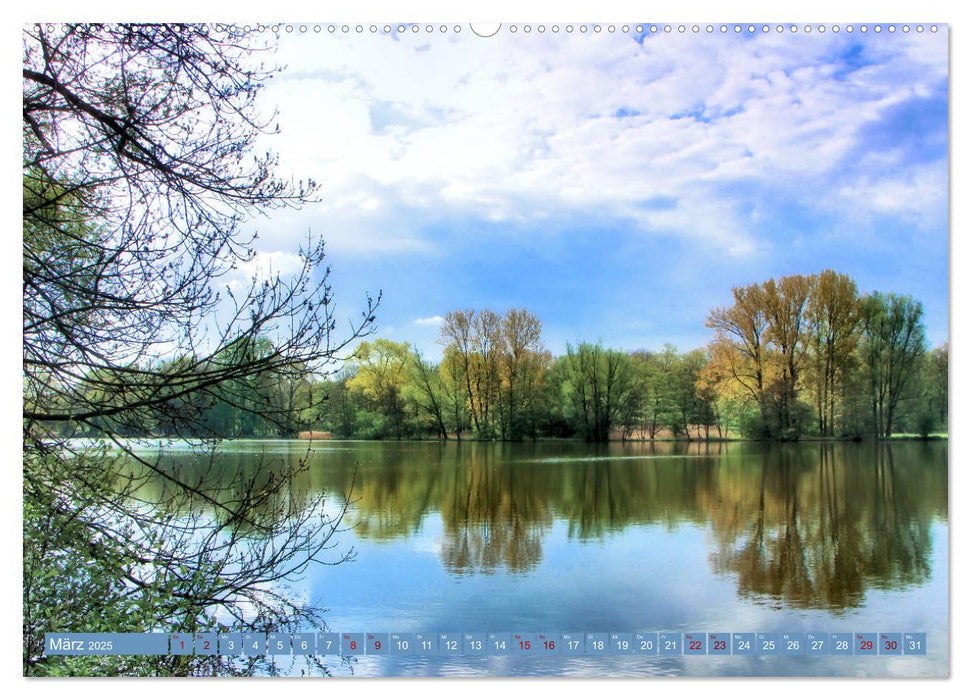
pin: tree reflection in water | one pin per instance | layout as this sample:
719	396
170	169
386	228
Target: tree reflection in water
811	525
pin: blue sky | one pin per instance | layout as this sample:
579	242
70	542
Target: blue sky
617	186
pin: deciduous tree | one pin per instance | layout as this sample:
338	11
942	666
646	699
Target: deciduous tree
893	348
139	173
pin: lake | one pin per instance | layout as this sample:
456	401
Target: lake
569	537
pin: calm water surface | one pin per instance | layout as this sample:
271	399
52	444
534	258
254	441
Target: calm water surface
557	537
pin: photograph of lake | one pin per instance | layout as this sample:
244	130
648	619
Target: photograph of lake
461	350
674	536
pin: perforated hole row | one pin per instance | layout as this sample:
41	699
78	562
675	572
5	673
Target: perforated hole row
594	28
578	28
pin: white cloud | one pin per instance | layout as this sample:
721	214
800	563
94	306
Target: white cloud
919	194
527	127
264	266
430	321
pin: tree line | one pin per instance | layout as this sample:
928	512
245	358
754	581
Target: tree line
793	357
811	355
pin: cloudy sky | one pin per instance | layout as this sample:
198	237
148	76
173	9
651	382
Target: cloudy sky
617	185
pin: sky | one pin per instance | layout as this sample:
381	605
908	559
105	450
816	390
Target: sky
617	185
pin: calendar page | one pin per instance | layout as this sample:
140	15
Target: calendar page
396	348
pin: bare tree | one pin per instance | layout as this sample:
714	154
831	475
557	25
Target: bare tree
145	302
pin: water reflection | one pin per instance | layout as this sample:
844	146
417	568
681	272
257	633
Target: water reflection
822	525
802	526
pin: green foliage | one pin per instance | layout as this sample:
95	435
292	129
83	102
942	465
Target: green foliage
817	358
95	563
925	423
596	393
893	348
139	168
382	371
602	382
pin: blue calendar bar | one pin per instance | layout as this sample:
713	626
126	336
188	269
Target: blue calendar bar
115	644
809	644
